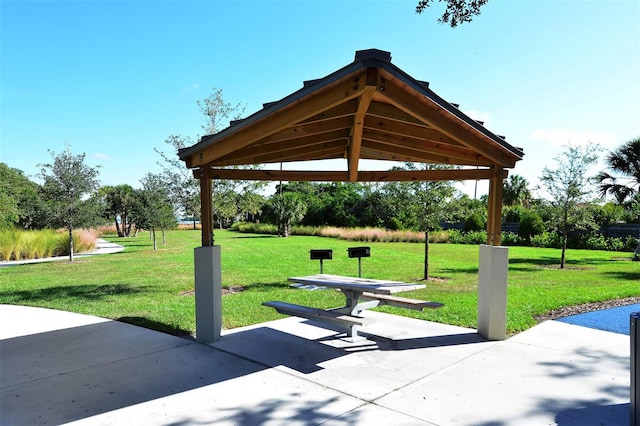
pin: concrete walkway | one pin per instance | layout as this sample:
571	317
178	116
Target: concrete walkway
58	367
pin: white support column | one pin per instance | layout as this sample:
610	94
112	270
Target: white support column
208	293
492	292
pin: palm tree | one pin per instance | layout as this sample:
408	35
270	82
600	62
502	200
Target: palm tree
624	180
516	191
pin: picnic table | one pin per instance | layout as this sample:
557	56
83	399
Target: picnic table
360	294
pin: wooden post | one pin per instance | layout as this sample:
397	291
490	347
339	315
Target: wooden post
206	210
208	276
494	219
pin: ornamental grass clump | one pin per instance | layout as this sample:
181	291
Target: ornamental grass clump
18	245
8	240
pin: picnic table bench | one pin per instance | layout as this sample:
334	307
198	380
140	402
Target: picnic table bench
360	294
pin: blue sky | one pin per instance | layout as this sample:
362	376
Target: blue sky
114	79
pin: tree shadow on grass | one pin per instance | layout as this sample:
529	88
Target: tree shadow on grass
255	236
625	275
89	292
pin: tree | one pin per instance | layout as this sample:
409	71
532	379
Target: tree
428	200
216	111
153	209
456	12
623	178
68	181
569	187
20	200
184	190
118	203
516	191
289	209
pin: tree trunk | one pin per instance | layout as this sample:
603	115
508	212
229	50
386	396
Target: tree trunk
636	254
564	249
426	255
70	244
155	244
164	238
118	230
126	227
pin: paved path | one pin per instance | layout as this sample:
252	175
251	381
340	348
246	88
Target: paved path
59	367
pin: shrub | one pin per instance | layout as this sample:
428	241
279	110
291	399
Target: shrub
513	213
474	222
394	224
630	244
546	239
511	239
531	224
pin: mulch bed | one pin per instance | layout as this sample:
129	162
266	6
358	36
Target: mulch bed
587	307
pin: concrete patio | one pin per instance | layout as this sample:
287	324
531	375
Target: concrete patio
59	367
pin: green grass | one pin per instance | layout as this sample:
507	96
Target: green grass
154	289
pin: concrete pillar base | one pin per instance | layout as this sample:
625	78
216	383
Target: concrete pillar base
208	287
492	292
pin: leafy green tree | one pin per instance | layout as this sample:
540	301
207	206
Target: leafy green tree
250	204
9	211
569	188
428	203
623	178
184	189
153	209
118	202
289	209
68	181
464	206
456	12
20	200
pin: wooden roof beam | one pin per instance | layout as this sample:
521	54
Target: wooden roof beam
343	176
355	142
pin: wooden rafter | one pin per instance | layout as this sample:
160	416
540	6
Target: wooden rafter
438	117
425	148
304	108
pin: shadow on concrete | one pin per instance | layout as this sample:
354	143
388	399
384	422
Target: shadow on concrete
70	374
616	414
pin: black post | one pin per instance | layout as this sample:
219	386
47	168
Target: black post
634	333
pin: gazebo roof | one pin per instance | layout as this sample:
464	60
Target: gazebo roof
369	109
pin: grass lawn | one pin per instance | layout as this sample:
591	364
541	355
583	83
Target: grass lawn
154	289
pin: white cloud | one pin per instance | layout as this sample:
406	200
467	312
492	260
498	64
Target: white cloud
100	156
485	117
566	136
191	87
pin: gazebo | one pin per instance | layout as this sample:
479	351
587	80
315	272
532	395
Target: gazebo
368	110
